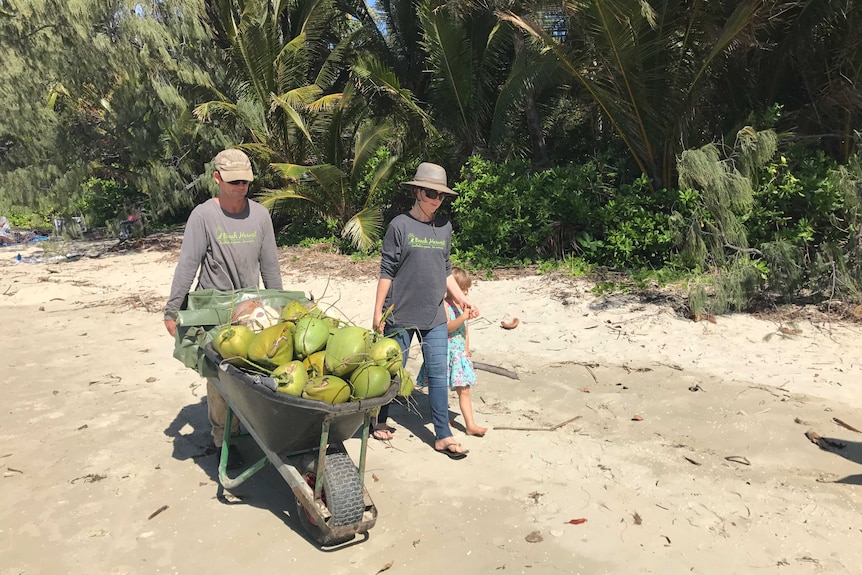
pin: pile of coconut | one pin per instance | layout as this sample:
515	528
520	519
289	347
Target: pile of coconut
309	353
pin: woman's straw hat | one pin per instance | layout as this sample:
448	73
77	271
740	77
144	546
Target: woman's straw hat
430	176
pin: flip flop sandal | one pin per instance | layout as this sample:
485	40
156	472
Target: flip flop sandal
456	455
383	430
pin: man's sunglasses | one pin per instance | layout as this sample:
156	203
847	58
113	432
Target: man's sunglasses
433	194
239	183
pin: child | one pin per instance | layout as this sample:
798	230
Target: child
461	375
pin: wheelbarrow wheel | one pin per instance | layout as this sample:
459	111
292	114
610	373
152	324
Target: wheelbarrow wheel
342	495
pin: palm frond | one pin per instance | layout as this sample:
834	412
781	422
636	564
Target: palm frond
291	64
295	117
450	54
204	112
381	173
272	197
324	103
372	75
368	139
299	97
291	172
363	229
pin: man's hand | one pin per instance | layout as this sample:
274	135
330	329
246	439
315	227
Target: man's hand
171	326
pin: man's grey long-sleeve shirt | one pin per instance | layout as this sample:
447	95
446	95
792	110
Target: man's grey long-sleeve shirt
232	251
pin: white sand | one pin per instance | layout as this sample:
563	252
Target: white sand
101	428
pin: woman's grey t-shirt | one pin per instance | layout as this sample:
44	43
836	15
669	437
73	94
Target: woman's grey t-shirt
232	251
415	256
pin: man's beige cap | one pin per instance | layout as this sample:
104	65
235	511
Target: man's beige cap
233	165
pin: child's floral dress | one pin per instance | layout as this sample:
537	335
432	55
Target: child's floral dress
460	372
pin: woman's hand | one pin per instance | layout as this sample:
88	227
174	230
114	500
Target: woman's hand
377	323
171	326
470	311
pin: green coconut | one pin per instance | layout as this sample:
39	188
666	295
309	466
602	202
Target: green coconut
369	380
328	388
346	350
291	378
310	336
386	352
272	347
314	364
232	342
293	311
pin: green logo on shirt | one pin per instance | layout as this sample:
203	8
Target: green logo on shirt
425	243
234	238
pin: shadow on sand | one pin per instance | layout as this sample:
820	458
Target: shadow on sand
266	489
850	450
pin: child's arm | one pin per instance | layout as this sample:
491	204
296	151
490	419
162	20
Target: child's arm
454	324
467	339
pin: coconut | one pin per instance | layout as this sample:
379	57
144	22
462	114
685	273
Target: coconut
291	378
328	388
386	352
253	314
272	347
314	364
293	311
346	350
232	341
369	380
310	336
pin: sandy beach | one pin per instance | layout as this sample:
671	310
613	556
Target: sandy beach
689	453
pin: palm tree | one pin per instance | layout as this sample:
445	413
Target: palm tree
292	97
333	184
648	69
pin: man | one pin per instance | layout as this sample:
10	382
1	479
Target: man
229	243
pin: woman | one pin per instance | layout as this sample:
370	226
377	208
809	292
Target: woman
415	274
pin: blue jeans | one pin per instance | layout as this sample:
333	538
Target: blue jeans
435	350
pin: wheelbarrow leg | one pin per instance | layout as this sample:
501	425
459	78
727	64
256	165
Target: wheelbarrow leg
366	426
223	478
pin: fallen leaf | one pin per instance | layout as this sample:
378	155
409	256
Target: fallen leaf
637	518
576	521
151	379
534	537
386	567
585	390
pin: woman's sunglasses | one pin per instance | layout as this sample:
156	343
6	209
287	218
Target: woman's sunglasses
433	194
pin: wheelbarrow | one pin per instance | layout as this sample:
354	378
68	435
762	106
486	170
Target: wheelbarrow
303	439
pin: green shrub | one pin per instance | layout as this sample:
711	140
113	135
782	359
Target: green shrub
507	213
106	202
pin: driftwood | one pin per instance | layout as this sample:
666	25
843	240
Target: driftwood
845	425
551	428
495	369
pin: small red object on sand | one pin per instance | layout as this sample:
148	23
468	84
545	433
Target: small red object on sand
576	521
